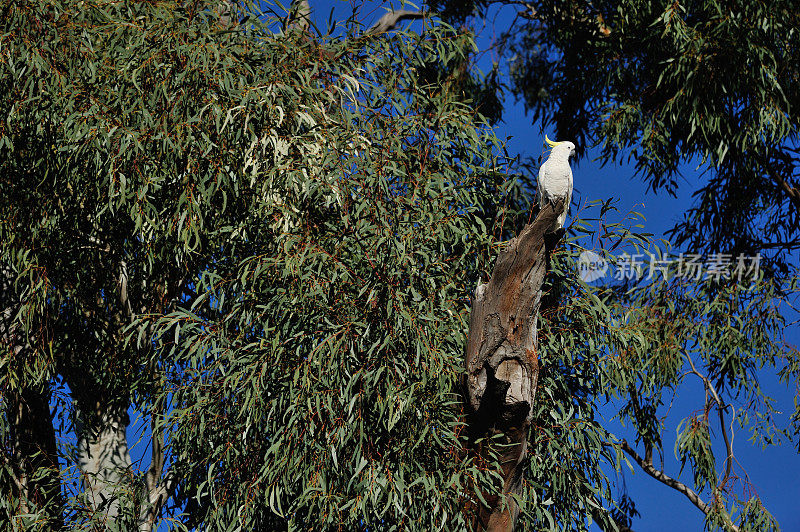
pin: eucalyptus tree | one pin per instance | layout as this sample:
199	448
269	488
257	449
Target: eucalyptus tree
147	148
264	244
119	158
131	140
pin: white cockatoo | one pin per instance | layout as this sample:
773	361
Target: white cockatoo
555	178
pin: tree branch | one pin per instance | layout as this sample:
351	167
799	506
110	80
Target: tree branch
728	447
671	482
646	462
156	456
791	191
299	15
158	489
156	498
666	479
391	19
596	509
721	407
300	18
122	290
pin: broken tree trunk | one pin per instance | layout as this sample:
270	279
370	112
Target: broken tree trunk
502	362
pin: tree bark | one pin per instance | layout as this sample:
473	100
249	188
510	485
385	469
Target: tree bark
299	15
104	461
34	454
32	438
502	362
158	485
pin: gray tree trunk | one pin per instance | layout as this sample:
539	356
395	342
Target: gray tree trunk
105	464
502	361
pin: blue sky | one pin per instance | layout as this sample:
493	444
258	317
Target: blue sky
774	472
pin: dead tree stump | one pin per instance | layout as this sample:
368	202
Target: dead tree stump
502	362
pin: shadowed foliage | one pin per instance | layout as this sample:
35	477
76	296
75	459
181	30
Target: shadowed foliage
262	245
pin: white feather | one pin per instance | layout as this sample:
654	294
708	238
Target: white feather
555	180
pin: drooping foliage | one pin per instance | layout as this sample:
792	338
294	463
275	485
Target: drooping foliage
331	355
265	245
711	84
122	163
150	155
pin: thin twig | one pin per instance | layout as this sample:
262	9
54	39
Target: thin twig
721	407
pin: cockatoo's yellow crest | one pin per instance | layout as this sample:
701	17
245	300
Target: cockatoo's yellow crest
551	143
